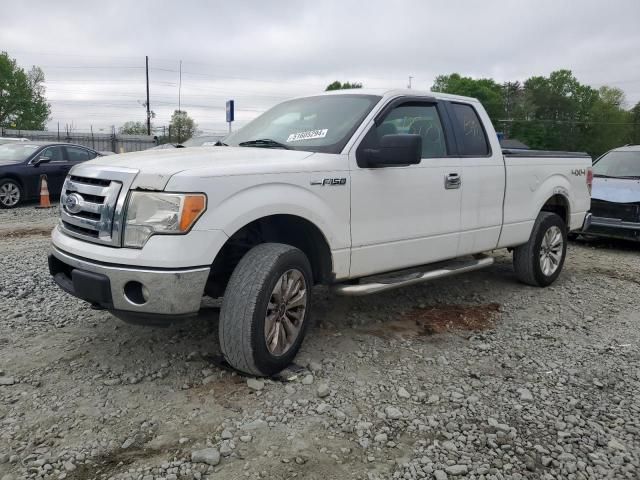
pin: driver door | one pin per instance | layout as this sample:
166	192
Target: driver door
403	216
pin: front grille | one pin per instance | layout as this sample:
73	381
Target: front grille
92	203
88	206
627	212
90	181
79	230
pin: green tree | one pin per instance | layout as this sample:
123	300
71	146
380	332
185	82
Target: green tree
342	86
556	112
484	89
22	96
134	128
182	126
611	123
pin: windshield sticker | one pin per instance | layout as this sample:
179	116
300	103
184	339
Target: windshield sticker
310	135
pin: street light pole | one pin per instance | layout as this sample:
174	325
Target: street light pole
148	107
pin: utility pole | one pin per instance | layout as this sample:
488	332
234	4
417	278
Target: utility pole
410	78
148	107
180	86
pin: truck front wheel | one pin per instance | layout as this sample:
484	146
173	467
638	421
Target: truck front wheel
265	309
539	261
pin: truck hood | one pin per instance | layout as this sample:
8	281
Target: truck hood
156	167
618	190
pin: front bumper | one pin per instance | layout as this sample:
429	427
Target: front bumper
143	291
612	227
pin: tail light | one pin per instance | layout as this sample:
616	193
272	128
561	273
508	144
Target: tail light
589	179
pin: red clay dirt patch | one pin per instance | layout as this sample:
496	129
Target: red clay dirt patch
439	319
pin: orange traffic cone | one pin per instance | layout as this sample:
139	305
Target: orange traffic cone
45	202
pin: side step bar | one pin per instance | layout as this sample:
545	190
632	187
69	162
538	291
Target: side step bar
441	271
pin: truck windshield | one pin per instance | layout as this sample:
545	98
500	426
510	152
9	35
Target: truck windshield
318	124
618	164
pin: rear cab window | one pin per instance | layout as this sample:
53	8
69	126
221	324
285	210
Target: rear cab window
471	136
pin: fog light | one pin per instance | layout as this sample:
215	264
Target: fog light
136	293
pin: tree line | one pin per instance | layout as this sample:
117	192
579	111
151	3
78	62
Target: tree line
552	113
181	127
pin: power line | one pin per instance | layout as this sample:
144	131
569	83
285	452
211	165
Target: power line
572	122
96	67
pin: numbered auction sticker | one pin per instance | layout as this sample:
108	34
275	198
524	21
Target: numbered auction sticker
310	135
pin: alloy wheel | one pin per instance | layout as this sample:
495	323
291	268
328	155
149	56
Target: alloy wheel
551	250
285	312
9	194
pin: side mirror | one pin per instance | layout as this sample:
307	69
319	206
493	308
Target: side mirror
395	151
40	160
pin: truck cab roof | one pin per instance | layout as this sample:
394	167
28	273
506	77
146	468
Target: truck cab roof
398	92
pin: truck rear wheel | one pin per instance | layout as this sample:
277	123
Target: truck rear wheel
265	309
539	261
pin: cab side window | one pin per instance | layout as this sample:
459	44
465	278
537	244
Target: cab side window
417	119
467	123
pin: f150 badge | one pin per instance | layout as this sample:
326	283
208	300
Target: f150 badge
329	181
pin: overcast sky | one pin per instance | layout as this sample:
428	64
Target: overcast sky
262	52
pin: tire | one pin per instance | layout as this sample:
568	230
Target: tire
252	310
11	193
530	260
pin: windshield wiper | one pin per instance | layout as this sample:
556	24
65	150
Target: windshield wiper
220	144
264	143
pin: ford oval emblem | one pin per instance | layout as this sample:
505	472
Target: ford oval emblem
73	203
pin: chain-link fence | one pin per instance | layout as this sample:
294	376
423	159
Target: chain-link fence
111	142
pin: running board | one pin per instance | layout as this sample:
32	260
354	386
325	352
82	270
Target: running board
443	270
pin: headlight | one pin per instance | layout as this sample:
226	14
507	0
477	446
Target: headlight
151	213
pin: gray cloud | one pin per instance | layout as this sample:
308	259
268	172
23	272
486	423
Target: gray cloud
262	52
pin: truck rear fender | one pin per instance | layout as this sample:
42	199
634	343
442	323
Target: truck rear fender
552	195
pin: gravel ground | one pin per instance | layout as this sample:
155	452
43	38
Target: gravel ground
474	376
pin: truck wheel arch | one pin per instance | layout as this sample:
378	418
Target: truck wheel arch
280	228
560	205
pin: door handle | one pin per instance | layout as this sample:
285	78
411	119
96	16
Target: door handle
452	180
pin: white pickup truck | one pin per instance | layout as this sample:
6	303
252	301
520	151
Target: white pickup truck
346	189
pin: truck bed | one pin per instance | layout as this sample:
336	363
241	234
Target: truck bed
517	152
